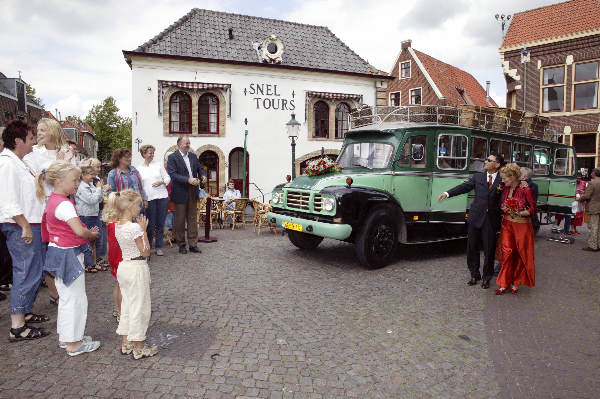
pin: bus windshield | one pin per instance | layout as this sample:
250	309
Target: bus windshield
366	155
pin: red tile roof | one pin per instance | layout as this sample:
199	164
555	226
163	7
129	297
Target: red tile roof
82	126
450	79
554	21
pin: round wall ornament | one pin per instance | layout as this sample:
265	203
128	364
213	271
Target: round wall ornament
272	49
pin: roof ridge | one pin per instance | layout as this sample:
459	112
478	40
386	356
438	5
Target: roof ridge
540	7
252	16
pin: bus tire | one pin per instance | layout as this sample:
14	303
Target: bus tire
377	241
303	240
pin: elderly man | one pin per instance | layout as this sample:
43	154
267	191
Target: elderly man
186	175
592	207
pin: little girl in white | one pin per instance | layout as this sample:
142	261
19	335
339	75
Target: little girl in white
68	239
133	273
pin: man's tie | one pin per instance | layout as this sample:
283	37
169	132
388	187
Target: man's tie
490	181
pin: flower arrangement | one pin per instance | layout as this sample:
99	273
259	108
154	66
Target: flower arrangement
321	166
512	205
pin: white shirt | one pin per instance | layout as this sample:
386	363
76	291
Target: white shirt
487	177
151	174
17	196
126	234
65	211
186	159
41	158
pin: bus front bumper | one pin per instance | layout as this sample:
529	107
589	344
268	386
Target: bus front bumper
327	230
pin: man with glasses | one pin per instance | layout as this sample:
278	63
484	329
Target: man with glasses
484	217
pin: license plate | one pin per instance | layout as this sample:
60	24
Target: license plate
292	226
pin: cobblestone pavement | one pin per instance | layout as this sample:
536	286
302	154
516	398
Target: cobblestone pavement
253	317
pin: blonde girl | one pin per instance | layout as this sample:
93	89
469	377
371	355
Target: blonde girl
68	239
133	274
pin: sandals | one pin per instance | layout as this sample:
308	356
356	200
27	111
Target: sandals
126	349
53	300
36	318
146	351
90	269
100	267
15	334
117	315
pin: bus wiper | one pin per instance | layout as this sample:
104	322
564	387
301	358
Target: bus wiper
361	165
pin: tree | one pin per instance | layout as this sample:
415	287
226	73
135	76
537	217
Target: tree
112	130
31	94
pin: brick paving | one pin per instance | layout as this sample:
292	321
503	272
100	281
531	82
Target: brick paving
253	317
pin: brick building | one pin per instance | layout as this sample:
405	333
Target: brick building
551	60
14	103
83	134
422	79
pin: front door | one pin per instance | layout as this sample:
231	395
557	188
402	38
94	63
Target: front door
236	169
412	175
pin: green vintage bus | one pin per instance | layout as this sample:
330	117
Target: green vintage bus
396	161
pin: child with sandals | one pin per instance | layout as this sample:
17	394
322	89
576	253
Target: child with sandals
68	239
114	258
133	273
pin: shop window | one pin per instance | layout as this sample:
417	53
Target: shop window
541	161
522	154
553	89
586	85
479	152
585	143
180	113
405	70
394	100
208	114
415	96
341	120
563	162
321	118
500	147
452	151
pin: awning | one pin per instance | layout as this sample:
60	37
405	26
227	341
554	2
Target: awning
330	96
163	85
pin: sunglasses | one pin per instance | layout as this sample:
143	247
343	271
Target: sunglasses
490	160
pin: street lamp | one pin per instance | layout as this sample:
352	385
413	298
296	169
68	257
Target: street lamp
503	20
292	128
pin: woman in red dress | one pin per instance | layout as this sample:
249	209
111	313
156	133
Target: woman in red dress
516	235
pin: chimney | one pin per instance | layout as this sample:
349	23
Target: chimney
59	117
405	44
487	91
230	33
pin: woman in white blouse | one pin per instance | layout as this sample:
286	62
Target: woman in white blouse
154	181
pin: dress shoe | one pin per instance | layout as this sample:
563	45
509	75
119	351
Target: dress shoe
514	290
589	249
485	285
182	250
473	281
500	291
195	250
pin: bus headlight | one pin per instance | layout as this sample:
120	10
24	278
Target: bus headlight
277	198
328	204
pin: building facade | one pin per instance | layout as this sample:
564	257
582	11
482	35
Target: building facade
14	103
83	135
551	62
422	79
214	76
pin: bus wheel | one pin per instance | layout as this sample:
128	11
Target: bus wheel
303	240
377	241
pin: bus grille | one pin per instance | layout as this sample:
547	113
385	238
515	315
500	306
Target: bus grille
301	200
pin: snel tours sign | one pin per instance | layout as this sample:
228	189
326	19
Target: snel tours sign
268	96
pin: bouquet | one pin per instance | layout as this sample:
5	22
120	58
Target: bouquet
512	205
322	166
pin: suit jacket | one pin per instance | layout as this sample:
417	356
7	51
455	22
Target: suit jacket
486	206
179	176
592	197
534	188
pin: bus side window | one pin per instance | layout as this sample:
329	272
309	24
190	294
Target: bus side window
501	147
479	153
452	151
541	161
414	152
563	162
522	154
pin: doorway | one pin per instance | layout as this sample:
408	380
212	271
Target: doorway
236	169
210	162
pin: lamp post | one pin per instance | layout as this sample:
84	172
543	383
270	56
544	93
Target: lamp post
292	128
503	20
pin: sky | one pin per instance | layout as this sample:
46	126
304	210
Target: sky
71	51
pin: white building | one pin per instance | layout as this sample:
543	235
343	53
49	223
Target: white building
209	72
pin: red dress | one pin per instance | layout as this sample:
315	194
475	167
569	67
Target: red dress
114	250
516	241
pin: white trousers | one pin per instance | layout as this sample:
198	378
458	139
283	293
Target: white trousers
72	309
134	281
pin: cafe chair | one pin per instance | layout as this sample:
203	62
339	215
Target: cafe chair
260	216
216	213
238	213
201	206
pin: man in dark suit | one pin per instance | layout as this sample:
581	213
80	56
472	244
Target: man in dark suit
187	175
484	217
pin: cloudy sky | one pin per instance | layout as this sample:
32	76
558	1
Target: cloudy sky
70	50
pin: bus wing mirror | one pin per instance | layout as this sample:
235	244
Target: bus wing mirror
418	152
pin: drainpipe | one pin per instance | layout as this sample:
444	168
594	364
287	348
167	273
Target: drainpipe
524	61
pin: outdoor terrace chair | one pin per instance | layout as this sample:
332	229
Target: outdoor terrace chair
238	213
260	216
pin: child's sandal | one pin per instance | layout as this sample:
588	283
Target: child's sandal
126	349
146	351
117	315
90	269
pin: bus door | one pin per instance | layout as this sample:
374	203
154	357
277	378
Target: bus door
412	176
541	173
561	191
452	151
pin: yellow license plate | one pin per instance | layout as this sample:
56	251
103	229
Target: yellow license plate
292	226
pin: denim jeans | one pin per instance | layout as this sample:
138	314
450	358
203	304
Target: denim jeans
28	260
156	214
90	221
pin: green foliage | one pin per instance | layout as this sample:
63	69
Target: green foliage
31	94
112	130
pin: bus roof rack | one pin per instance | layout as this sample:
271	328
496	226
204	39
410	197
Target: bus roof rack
494	119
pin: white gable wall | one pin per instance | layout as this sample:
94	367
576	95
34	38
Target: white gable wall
268	145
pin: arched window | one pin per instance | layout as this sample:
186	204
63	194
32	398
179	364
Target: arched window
180	113
341	120
321	113
208	114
